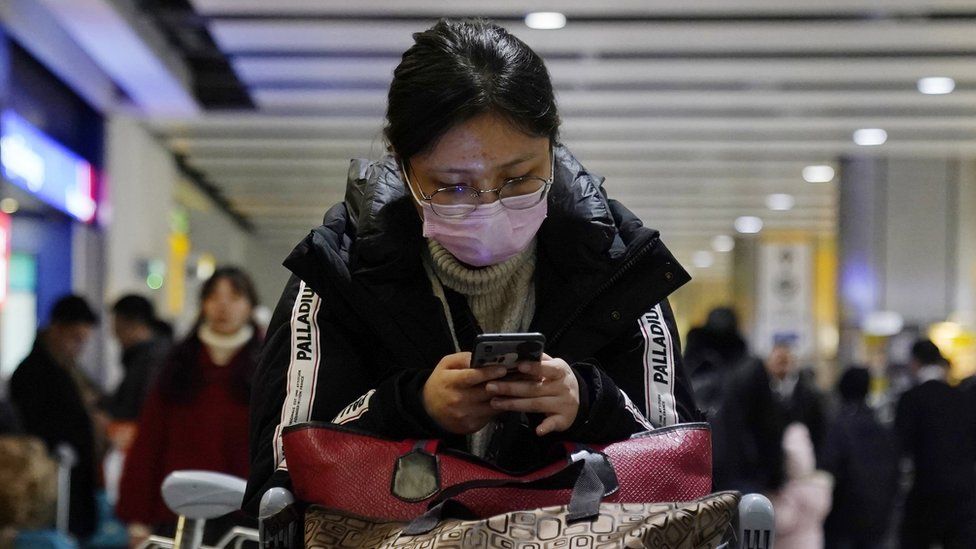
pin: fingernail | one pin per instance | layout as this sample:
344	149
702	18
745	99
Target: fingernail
524	367
492	387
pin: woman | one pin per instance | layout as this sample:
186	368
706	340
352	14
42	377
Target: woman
196	415
477	221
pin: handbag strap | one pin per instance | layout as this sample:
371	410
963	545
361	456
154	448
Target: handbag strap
590	475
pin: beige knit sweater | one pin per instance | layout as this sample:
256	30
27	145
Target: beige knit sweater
501	297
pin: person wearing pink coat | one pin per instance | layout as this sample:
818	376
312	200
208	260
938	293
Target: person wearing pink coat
803	501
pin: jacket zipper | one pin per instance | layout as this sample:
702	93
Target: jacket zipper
603	288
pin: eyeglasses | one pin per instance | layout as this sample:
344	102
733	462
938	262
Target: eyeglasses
517	193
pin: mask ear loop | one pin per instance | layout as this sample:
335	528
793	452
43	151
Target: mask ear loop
406	179
552	165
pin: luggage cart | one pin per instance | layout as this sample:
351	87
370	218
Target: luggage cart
197	496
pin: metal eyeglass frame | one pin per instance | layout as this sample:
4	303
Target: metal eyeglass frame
429	198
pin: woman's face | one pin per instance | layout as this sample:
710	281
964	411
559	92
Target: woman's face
226	310
483	153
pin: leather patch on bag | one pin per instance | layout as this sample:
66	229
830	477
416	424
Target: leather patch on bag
415	477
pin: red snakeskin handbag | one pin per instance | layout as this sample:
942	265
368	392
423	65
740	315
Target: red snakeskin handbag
365	475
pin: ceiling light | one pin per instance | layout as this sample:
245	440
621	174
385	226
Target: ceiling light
870	137
206	267
703	259
936	85
780	202
882	323
723	243
748	224
545	20
9	205
818	174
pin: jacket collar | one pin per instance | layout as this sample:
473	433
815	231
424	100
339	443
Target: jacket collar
369	249
376	233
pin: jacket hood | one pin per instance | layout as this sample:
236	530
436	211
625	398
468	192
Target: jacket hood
377	233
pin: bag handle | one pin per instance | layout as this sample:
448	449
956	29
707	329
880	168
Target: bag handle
590	475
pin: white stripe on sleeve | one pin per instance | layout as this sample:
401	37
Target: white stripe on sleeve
659	369
303	366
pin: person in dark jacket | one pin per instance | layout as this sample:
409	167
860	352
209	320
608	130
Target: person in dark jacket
49	392
936	428
478	220
747	433
712	353
862	456
796	392
135	324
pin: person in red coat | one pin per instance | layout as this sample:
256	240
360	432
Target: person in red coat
196	416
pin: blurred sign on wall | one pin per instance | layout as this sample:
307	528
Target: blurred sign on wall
4	257
784	298
18	319
42	166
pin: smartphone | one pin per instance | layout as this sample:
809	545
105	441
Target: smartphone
507	349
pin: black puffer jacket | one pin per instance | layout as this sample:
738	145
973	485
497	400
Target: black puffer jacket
358	330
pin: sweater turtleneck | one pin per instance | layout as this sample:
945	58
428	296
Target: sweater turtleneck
221	347
501	297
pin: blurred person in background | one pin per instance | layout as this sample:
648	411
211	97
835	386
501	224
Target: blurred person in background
796	392
478	221
747	432
968	385
136	328
196	416
936	428
863	458
712	352
145	341
804	499
762	397
56	402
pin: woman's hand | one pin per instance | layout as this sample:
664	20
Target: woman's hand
455	396
549	388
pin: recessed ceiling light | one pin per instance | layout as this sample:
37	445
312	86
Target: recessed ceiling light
883	323
936	85
748	224
723	243
818	174
703	259
780	202
545	20
869	137
9	205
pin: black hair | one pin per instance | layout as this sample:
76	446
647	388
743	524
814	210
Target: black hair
73	309
722	319
180	379
238	279
854	384
135	308
927	353
457	70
